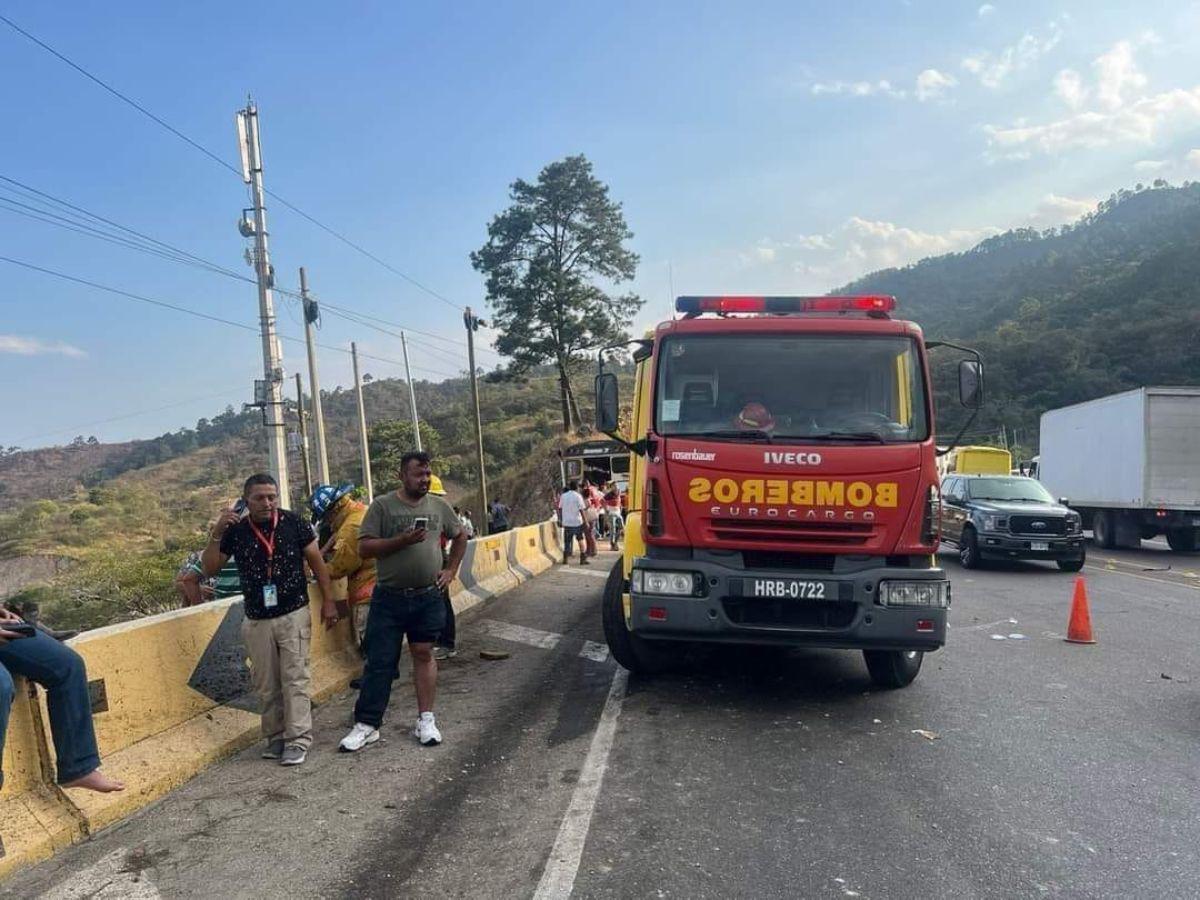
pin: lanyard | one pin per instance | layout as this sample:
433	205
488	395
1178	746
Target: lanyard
268	546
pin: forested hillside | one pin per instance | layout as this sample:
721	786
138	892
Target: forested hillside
1107	303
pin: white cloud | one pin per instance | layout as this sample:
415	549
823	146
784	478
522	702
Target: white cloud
1116	74
860	245
1192	158
857	88
1142	121
1068	85
932	84
986	10
1054	209
28	346
1150	165
993	68
1118	116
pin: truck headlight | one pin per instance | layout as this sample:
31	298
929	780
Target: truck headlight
657	581
935	594
995	523
1074	523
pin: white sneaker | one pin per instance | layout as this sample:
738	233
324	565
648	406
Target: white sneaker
426	731
360	735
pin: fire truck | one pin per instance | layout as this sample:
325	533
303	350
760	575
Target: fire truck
783	483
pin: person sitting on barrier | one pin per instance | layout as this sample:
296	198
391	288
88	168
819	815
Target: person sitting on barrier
33	654
468	524
271	546
333	507
570	514
408	596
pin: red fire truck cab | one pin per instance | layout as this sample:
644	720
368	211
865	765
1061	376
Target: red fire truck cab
783	485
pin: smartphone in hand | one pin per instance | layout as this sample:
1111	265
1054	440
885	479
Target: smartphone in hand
421	523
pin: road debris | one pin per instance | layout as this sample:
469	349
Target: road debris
928	735
494	654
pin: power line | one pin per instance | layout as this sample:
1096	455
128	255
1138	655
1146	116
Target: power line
221	162
170	252
192	312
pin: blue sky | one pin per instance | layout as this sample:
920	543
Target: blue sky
775	146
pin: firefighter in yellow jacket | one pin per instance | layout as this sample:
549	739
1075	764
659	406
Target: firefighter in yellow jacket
344	515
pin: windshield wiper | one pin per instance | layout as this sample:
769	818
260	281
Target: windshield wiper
847	436
750	434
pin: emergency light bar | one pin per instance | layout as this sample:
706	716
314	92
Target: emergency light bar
865	303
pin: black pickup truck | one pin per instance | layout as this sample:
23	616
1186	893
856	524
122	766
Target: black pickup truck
1009	517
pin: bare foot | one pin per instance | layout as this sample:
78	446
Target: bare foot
97	781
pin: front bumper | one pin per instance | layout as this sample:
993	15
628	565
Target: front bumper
998	545
851	618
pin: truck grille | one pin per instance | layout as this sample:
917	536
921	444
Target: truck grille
1024	525
790	532
789	613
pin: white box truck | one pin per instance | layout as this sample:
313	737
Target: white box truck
1129	463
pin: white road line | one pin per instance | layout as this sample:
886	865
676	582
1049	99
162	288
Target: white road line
594	651
115	877
984	626
519	634
558	880
580	570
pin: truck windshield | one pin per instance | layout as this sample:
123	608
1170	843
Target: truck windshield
771	388
1008	489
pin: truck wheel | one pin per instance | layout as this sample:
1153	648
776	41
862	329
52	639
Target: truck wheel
629	650
1182	540
893	668
968	549
1104	529
1070	565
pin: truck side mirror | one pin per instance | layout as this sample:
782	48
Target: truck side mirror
970	383
608	403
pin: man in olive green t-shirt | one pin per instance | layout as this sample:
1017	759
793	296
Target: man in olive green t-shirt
400	531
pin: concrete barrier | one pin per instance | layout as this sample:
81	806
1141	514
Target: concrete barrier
36	820
527	556
171	695
485	571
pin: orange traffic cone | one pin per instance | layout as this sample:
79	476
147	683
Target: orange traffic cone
1079	629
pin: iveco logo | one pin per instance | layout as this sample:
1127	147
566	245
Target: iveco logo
791	459
1040	526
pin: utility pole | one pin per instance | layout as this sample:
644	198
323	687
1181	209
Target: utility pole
472	323
311	314
412	397
362	426
271	396
308	482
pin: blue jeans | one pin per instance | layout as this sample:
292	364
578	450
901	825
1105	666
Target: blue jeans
418	613
60	670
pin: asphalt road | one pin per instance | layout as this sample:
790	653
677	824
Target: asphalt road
1017	765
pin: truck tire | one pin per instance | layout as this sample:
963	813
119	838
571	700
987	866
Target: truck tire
629	650
1104	529
1070	565
968	549
893	668
1182	540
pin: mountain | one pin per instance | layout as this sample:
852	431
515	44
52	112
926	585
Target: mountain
1104	304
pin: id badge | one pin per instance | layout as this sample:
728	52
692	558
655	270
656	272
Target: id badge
270	597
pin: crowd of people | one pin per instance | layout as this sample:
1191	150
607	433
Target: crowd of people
587	515
399	556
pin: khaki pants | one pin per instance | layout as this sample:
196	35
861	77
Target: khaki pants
278	651
358	615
